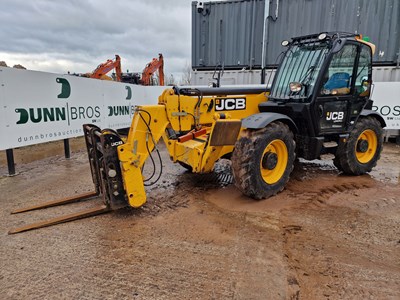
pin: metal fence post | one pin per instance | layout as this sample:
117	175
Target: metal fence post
10	161
67	150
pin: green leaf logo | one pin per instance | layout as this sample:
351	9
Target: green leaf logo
129	96
65	88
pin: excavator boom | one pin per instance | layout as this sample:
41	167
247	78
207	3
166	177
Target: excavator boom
106	67
151	68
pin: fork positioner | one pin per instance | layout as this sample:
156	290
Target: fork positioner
198	125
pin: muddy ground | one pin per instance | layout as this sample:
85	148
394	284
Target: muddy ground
326	236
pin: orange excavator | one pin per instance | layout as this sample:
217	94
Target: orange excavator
157	64
101	71
151	68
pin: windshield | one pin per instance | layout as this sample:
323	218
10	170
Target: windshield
301	64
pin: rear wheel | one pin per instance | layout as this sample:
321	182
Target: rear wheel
363	148
263	160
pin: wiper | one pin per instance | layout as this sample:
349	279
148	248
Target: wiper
308	75
307	78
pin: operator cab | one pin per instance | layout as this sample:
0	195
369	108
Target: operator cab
323	82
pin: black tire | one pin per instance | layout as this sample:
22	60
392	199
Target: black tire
251	160
357	158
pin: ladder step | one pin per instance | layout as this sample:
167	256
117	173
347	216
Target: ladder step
330	144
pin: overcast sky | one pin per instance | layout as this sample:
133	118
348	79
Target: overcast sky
77	35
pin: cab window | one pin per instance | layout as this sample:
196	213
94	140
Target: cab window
337	79
363	75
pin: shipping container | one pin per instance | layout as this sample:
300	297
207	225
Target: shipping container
247	34
227	33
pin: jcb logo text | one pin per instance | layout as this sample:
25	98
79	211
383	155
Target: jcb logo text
335	116
230	104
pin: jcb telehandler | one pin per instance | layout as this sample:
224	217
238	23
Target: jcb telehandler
319	102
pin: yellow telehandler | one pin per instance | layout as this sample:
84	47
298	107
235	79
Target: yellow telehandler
319	102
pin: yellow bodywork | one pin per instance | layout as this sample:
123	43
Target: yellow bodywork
218	129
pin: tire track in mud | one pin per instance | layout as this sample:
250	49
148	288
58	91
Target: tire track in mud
322	237
315	260
247	267
316	189
293	284
321	195
311	190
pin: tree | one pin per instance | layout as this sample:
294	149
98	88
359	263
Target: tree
170	80
186	75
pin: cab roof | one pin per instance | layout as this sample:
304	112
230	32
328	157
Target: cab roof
315	38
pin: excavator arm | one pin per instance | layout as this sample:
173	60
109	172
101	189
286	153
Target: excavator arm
151	68
104	68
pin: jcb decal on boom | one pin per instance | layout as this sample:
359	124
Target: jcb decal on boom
230	104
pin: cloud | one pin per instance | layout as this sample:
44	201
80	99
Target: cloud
77	35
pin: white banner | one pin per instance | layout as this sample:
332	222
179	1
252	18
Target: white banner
39	107
386	96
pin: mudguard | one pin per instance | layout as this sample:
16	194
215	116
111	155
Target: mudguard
261	120
371	113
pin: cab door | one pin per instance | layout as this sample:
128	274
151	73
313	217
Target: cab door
336	92
362	84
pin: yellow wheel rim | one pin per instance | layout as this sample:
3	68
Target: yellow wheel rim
272	173
367	154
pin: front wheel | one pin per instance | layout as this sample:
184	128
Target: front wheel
263	160
363	148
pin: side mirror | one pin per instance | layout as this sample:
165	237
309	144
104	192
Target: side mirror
364	81
339	44
365	86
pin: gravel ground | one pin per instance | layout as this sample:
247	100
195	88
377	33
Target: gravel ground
326	236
